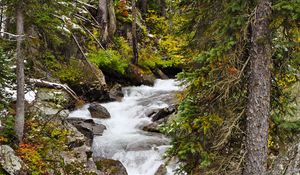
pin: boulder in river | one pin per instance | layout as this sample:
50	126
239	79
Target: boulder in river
98	111
163	113
115	93
162	170
152	127
87	127
10	163
111	167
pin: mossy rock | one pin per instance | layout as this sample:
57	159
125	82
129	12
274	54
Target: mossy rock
139	75
111	167
58	97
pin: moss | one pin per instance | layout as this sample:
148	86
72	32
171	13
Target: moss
71	73
109	59
53	96
109	166
77	168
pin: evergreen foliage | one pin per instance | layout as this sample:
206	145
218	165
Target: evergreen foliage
208	133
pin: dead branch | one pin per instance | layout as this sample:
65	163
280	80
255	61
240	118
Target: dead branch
48	84
86	61
229	129
86	4
98	42
11	34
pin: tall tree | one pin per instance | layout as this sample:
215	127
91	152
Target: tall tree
112	26
103	20
20	107
144	4
134	33
228	97
258	107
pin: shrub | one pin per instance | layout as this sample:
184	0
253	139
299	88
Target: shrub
109	59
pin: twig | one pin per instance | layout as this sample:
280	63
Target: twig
86	4
39	82
12	35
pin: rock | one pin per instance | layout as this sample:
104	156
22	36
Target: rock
79	161
147	144
162	170
92	86
160	74
111	167
159	116
152	127
78	154
75	138
163	113
10	163
138	75
88	128
116	93
98	111
50	102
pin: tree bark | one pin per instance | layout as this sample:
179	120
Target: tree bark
103	20
1	18
20	106
112	18
258	107
134	34
163	7
144	4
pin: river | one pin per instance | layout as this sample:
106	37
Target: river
139	151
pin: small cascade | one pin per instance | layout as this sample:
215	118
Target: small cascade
124	140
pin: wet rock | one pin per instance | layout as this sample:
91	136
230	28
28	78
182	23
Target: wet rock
162	170
139	76
116	93
160	74
98	111
146	144
111	167
152	127
163	113
88	128
10	163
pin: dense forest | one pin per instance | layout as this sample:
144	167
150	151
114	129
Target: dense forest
149	87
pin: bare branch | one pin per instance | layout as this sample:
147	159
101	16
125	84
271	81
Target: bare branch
12	35
86	4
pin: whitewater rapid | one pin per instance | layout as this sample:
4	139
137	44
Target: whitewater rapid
139	151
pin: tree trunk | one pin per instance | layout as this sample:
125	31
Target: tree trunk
144	4
112	18
163	7
103	20
20	107
258	107
134	34
1	18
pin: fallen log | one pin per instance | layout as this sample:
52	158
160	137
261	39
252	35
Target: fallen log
48	84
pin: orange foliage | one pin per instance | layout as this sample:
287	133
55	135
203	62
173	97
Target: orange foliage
25	150
122	8
232	70
3	139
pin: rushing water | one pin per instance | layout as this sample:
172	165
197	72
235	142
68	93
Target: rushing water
139	151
